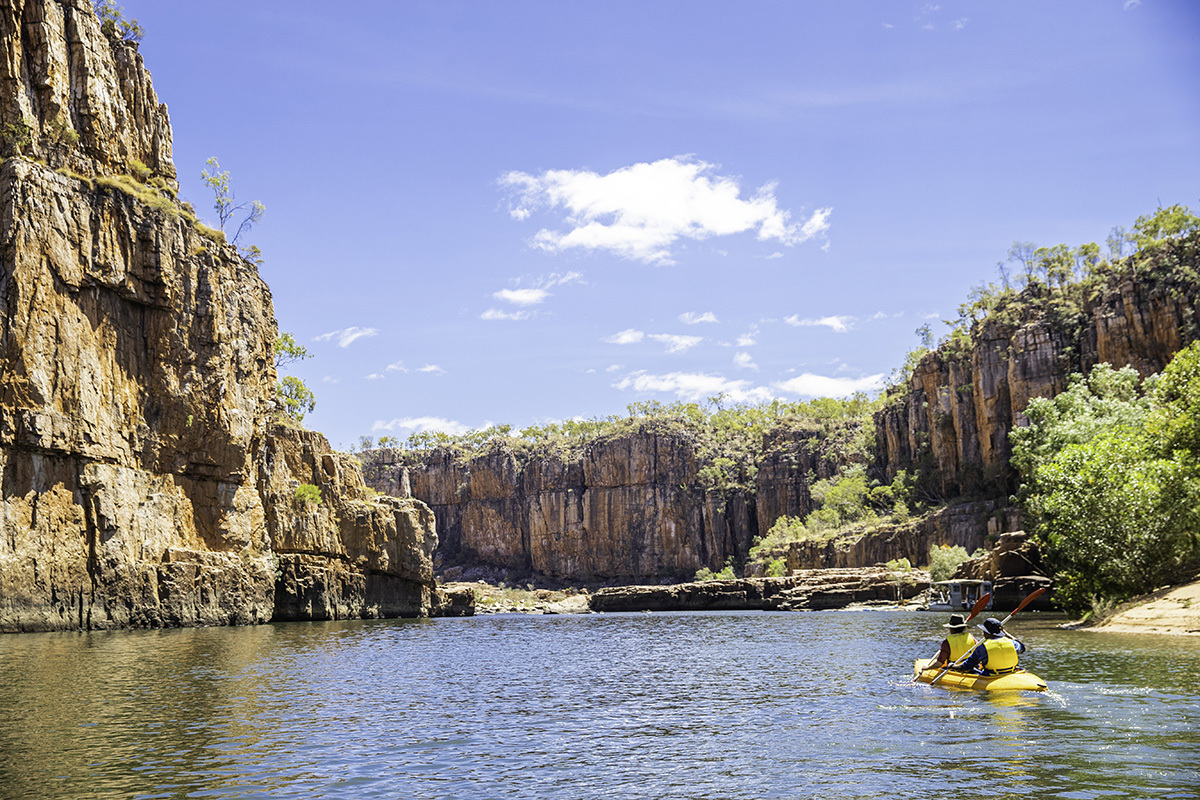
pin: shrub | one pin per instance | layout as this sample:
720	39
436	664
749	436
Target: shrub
114	23
944	559
308	495
704	574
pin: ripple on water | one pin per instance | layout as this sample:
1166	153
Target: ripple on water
615	706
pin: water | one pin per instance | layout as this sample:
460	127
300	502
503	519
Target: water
732	705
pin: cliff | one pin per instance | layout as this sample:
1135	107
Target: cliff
628	508
141	483
952	419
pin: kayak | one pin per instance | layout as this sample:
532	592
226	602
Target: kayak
1019	681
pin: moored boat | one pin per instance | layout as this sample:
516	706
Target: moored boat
957	595
1018	681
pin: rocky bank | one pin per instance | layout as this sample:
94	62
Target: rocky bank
142	481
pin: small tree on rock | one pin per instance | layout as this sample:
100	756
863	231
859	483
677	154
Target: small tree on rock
225	202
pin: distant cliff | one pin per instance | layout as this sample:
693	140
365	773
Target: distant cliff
627	508
142	482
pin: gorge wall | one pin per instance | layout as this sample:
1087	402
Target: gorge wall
142	481
628	508
953	417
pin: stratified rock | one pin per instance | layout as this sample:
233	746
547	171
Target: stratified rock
353	554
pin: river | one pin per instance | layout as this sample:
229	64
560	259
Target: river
722	705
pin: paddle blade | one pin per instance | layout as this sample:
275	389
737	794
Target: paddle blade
980	605
1034	595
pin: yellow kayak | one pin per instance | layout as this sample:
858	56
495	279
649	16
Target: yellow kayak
1019	681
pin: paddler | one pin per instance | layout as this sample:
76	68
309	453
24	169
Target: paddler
997	653
956	644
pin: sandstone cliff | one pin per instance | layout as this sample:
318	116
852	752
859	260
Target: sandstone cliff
628	508
140	482
953	417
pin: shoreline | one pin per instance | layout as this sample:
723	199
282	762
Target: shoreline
1169	611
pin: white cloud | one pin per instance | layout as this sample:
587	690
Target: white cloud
809	385
627	336
639	212
930	315
522	297
676	343
1131	4
959	24
346	336
744	361
330	379
420	425
538	292
840	324
749	338
495	313
374	376
396	366
432	368
694	318
693	386
775	256
614	368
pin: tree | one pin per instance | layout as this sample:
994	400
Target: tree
287	351
225	202
1111	480
114	23
297	398
1165	223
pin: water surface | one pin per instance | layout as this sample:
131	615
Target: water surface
722	705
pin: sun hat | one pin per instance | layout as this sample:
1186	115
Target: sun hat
992	627
956	622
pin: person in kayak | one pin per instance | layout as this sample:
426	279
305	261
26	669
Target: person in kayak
956	644
997	653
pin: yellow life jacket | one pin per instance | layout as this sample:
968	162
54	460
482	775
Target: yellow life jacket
1001	655
960	644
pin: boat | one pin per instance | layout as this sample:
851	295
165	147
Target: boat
957	595
1017	681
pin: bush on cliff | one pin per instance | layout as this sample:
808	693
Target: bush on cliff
1113	480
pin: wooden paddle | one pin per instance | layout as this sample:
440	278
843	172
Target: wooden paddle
980	605
1034	595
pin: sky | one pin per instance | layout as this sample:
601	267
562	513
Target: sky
524	212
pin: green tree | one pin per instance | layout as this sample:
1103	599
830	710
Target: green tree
297	399
1165	223
287	351
225	203
113	21
1111	480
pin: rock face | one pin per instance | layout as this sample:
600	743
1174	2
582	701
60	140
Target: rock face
955	414
627	509
623	511
354	553
140	483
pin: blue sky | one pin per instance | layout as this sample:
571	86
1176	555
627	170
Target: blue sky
484	212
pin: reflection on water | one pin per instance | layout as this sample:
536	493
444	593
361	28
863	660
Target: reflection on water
646	705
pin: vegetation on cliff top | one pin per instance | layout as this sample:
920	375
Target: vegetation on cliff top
729	441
